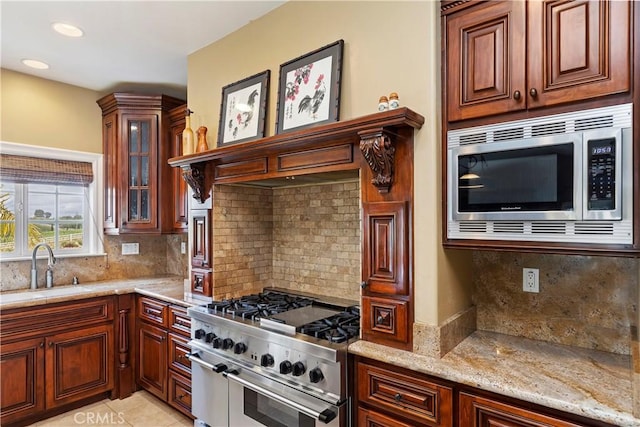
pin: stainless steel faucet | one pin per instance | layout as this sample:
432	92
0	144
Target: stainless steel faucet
34	271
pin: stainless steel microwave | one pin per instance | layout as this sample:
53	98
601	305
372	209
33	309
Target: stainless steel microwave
565	178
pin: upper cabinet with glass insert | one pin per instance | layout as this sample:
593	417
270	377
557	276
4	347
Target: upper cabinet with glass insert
136	135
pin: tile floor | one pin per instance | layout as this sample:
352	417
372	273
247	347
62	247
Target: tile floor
141	409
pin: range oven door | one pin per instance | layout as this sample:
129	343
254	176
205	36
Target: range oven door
209	401
259	401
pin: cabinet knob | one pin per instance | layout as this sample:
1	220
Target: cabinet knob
533	92
363	284
516	95
41	344
398	397
50	343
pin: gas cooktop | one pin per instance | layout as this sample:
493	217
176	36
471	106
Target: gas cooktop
328	319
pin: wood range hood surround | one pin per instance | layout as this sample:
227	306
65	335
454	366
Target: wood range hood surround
378	147
320	149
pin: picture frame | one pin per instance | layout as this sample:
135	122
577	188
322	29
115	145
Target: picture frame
309	89
243	109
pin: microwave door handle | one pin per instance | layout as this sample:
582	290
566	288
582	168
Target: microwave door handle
325	416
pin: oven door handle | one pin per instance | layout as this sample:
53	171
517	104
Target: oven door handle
325	416
195	357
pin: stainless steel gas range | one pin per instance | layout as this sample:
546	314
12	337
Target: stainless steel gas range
272	359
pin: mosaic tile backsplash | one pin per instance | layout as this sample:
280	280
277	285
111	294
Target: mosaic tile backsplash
584	301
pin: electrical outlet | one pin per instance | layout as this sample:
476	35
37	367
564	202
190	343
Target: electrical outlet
530	280
183	248
130	249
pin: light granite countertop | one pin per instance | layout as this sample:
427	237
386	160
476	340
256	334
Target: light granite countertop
593	384
166	288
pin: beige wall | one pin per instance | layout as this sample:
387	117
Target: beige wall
389	47
42	112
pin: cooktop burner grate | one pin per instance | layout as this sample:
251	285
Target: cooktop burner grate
337	328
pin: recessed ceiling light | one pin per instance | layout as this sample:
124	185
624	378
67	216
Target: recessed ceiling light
67	29
34	63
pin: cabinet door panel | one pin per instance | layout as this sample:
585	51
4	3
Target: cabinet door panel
80	364
200	232
486	60
577	50
152	360
139	195
386	248
111	179
22	373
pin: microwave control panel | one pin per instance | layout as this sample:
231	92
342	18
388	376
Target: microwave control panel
602	174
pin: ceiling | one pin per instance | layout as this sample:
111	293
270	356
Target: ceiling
127	45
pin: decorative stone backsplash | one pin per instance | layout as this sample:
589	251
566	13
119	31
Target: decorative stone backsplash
584	301
159	255
316	239
241	240
304	238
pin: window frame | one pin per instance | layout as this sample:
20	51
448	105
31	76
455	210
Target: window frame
94	223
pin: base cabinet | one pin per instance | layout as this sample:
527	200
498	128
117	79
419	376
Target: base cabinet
22	371
391	396
54	356
162	366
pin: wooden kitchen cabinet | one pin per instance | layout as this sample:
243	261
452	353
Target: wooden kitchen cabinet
137	143
55	355
152	359
391	396
385	248
180	203
201	249
509	56
22	371
162	367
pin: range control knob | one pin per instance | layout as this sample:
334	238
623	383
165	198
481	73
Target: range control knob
316	375
240	348
227	343
209	337
199	333
298	369
217	343
266	360
285	367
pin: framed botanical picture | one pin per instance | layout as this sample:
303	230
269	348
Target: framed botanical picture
243	110
309	89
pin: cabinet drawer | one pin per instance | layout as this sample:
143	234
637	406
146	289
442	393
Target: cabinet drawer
180	393
178	349
179	322
25	323
479	411
413	398
368	418
152	311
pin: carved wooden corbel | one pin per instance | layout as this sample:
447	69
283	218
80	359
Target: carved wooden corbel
378	150
195	176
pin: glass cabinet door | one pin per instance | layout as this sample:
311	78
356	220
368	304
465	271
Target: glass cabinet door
141	158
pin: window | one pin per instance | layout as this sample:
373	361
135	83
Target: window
35	208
